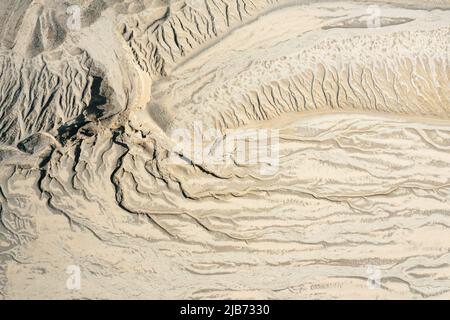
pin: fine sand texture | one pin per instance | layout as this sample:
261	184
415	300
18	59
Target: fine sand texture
224	149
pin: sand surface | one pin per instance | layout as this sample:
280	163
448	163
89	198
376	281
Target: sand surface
224	149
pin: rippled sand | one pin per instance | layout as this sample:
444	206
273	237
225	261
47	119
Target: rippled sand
353	201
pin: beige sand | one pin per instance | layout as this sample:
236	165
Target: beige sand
355	205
